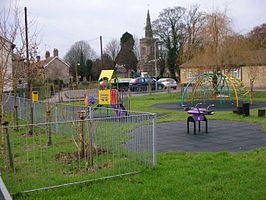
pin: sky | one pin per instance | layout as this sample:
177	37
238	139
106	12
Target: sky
61	23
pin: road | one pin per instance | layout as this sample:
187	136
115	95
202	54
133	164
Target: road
78	95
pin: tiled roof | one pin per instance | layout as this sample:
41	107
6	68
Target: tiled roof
248	58
47	61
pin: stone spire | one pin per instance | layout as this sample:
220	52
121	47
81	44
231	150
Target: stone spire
148	30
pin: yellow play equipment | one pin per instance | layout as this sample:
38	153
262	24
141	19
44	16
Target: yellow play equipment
108	92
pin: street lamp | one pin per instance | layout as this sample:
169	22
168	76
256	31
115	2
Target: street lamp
155	57
155	60
77	73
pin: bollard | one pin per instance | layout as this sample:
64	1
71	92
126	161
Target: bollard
240	110
245	109
261	112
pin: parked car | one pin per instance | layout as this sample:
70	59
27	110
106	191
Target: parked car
168	82
142	84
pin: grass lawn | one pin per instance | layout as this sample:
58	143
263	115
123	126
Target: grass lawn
219	175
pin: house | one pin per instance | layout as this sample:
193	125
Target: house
249	67
6	52
54	68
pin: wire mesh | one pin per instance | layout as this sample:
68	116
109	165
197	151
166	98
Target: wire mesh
46	155
48	111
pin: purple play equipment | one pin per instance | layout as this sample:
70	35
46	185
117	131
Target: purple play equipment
119	109
198	115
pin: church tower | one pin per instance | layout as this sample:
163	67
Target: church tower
147	57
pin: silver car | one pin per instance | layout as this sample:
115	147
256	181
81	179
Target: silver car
168	82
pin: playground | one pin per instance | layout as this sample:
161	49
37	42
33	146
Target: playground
222	88
96	139
205	95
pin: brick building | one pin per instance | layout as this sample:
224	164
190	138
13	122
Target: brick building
55	69
248	67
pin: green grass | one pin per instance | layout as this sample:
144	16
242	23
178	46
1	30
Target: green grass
259	96
219	175
145	103
38	165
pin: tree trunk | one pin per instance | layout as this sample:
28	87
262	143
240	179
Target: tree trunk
251	85
81	135
2	128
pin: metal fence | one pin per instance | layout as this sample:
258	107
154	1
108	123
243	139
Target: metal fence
47	155
48	111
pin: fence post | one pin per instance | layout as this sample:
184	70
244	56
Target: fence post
81	133
168	89
10	154
31	120
3	145
34	114
4	194
90	112
154	140
89	144
56	116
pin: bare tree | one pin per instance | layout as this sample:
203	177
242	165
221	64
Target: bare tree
169	29
112	49
216	28
9	22
257	40
79	52
258	36
193	20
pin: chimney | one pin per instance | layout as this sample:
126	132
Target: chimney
55	52
38	58
47	54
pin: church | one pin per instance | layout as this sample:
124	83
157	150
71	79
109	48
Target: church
147	62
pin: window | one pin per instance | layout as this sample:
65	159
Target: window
235	73
143	51
189	74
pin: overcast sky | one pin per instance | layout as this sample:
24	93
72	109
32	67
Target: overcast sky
63	22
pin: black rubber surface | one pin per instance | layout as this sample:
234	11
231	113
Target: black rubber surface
222	136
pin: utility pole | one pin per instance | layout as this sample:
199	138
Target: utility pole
155	63
27	54
101	47
77	76
28	69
